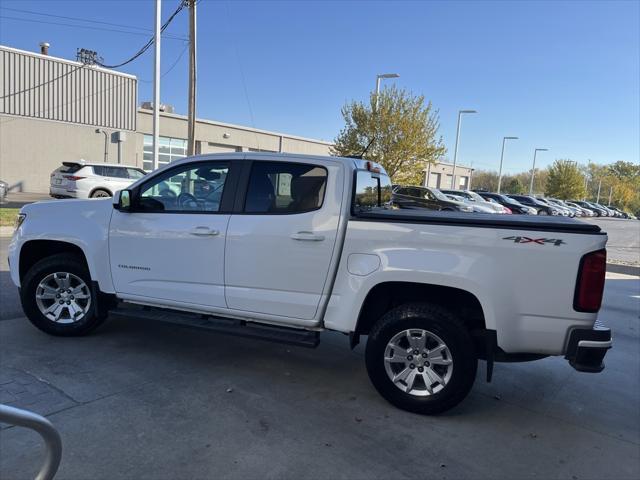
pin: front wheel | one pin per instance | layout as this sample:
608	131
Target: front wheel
57	297
421	358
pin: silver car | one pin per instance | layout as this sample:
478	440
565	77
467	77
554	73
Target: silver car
4	188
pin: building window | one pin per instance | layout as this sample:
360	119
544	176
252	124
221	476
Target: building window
169	149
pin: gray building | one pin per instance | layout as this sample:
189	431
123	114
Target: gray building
439	175
54	110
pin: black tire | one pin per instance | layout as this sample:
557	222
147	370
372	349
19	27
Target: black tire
67	263
100	193
436	320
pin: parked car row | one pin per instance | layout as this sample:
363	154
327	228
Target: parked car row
481	201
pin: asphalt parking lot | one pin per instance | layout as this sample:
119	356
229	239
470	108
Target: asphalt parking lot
139	399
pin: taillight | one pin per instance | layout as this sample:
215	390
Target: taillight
590	284
73	177
507	210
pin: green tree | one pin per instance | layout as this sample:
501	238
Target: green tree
485	180
564	180
514	186
403	133
623	178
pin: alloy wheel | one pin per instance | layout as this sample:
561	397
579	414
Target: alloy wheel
63	297
418	362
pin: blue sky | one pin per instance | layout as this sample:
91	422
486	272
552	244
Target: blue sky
562	75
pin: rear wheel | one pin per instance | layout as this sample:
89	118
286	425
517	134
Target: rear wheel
100	193
421	358
57	297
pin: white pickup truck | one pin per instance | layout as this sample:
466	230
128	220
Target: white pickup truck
284	247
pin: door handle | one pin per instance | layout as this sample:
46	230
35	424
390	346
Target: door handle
307	236
204	232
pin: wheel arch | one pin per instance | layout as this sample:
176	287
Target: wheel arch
33	251
384	296
104	189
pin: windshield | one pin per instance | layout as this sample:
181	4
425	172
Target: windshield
373	191
510	200
475	196
438	194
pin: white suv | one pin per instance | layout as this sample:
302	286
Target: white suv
91	180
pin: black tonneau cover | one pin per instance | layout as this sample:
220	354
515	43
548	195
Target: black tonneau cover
482	220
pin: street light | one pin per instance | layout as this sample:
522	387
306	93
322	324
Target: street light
380	77
455	151
504	139
533	168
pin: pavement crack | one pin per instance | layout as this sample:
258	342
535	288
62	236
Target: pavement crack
51	385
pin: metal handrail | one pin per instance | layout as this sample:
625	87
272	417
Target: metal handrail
51	437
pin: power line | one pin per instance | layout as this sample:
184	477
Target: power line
149	43
86	20
30	20
173	65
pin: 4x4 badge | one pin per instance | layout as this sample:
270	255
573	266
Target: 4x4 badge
540	241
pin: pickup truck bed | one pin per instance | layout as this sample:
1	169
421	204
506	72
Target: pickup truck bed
480	220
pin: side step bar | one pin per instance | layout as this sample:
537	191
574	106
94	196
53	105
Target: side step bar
241	328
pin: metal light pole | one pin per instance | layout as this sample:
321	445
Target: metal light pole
380	77
455	151
191	135
156	87
504	139
599	186
533	168
610	193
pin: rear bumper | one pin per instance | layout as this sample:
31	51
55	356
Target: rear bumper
587	347
61	192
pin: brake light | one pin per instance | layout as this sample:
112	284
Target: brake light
73	177
590	284
507	210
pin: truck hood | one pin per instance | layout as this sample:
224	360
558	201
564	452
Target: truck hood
95	210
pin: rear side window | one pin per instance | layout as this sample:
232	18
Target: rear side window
285	188
373	191
115	172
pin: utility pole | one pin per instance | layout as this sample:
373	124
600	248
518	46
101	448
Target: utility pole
455	151
610	193
156	87
599	185
191	141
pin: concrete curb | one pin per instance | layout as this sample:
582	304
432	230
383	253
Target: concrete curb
624	269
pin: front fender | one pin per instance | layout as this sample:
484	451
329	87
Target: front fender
83	223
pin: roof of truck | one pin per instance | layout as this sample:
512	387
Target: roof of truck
355	163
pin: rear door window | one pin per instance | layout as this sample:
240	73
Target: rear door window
115	172
285	188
